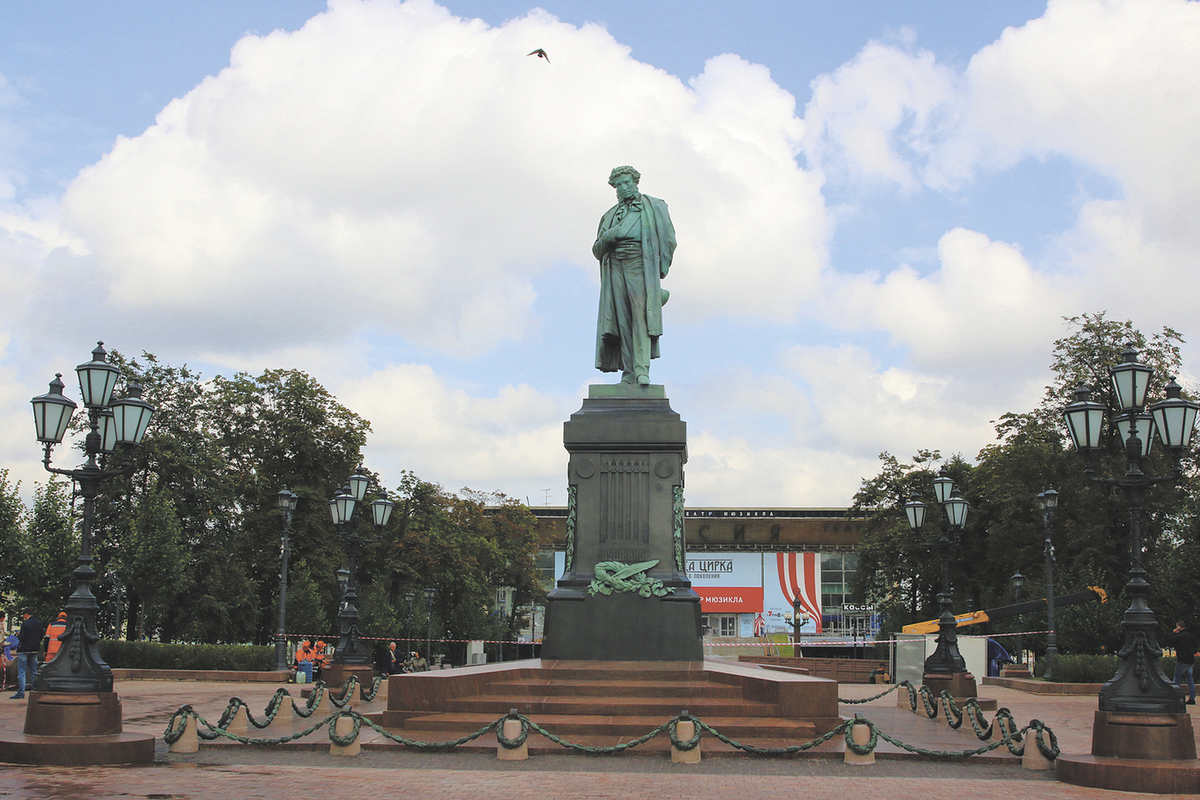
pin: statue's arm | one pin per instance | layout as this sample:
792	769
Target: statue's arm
604	240
668	242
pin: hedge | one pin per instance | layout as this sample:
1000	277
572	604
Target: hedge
154	655
1091	669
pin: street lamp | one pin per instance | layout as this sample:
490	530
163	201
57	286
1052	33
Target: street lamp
429	594
408	620
1048	501
946	661
1017	580
287	505
1139	686
349	649
123	421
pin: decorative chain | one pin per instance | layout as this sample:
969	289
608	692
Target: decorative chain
1010	737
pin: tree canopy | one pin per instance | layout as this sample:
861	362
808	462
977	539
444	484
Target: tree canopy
1004	533
188	542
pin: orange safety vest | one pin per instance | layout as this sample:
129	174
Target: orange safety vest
55	630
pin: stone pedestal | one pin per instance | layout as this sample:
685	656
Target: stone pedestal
75	729
960	685
336	675
73	714
625	595
1149	736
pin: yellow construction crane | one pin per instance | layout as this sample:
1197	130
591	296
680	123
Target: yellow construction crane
976	617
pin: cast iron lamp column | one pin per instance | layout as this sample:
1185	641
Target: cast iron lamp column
945	659
1048	501
1017	580
1139	687
349	649
429	594
287	505
78	666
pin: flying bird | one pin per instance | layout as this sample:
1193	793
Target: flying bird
540	53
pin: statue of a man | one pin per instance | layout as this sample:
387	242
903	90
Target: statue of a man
635	243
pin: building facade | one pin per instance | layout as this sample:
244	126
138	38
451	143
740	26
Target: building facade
753	566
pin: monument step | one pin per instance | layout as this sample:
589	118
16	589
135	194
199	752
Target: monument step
450	725
606	688
625	671
666	706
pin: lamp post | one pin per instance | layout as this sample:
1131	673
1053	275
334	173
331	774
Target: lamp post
1139	686
408	620
429	594
111	422
946	660
287	505
1048	501
349	649
1017	580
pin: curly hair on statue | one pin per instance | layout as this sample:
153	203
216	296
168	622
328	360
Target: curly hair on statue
624	170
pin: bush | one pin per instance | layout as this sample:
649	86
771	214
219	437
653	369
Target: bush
207	657
1092	669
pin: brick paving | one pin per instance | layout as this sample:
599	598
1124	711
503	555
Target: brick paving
382	769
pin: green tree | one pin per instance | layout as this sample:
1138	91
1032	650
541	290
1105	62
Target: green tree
155	560
51	551
308	605
1005	533
12	538
282	428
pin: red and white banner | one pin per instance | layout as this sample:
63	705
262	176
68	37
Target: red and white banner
799	578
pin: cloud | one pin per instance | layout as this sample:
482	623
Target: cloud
390	164
510	441
1108	87
877	118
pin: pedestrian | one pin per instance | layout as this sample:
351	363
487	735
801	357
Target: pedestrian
56	629
393	663
1184	642
29	641
5	651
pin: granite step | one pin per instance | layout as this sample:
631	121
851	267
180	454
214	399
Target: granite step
445	726
667	705
598	688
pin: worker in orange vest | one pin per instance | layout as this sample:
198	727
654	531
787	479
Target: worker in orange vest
56	629
319	657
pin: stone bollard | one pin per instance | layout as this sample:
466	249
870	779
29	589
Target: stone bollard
188	741
320	708
511	729
343	726
1033	758
685	729
860	734
902	698
1007	726
240	724
283	715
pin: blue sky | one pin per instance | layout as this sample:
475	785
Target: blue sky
884	211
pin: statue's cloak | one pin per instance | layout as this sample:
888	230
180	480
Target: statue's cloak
658	248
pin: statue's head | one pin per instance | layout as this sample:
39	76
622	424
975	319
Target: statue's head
625	170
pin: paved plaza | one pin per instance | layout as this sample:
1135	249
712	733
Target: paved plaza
387	770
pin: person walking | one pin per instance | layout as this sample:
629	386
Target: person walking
1184	642
29	641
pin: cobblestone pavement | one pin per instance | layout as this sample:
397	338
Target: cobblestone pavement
278	772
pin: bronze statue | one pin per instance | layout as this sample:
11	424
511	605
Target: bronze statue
634	244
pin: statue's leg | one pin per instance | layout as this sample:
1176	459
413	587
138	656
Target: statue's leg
621	300
638	336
